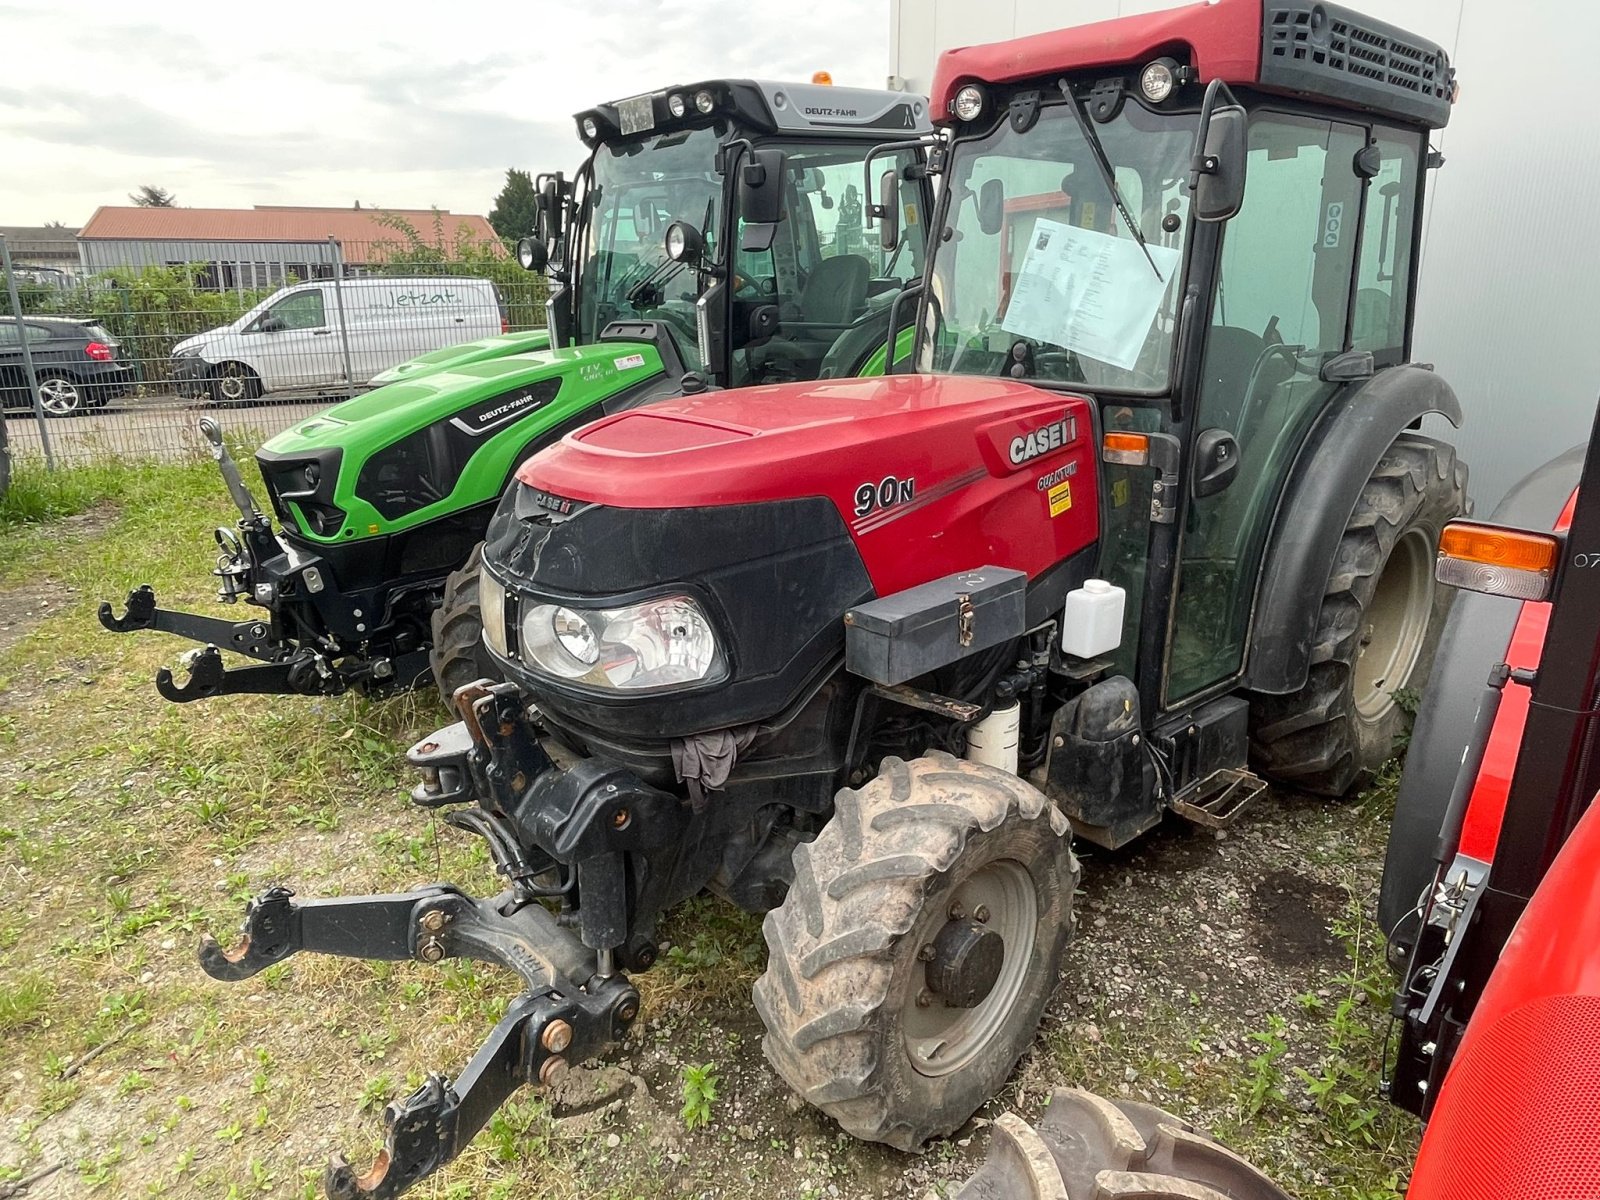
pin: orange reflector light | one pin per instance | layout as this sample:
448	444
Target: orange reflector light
1497	561
823	77
1126	449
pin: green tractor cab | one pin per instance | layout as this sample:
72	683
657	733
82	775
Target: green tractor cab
716	236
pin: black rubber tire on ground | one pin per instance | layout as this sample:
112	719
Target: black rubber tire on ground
873	890
1089	1148
1334	734
459	656
61	395
234	383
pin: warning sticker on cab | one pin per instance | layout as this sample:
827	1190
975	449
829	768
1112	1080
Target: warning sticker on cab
1060	497
628	362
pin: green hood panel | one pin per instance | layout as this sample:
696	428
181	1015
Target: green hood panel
465	352
366	426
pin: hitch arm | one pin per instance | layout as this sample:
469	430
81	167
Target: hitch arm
276	926
208	677
436	1122
251	638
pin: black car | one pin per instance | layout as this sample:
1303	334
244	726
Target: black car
76	361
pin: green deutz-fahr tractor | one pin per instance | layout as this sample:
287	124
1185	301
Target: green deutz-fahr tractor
369	580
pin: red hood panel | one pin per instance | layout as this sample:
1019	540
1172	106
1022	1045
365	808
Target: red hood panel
932	474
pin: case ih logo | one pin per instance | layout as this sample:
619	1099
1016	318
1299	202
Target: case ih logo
559	505
1026	447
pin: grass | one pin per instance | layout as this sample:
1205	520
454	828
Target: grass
131	826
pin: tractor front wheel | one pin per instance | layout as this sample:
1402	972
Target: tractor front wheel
459	656
1376	631
912	959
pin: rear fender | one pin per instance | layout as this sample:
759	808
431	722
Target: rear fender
1333	466
1474	640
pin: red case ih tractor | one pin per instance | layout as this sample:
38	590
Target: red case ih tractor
1499	1001
863	655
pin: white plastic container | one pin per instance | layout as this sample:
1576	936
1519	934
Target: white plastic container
1091	624
993	740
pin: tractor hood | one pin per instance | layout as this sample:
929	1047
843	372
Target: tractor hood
962	470
465	388
437	446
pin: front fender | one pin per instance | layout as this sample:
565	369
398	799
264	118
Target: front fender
1333	466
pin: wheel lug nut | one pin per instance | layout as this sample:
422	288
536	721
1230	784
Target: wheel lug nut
924	998
926	954
981	914
957	911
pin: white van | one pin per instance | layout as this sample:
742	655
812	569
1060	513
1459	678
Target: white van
293	341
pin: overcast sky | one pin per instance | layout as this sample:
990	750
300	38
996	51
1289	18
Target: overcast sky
402	105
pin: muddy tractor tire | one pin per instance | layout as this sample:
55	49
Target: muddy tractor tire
1377	628
911	961
1089	1148
459	656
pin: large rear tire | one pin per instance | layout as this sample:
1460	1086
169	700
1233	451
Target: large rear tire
1376	632
1089	1148
459	656
894	1039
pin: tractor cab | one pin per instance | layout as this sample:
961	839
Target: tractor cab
1207	220
731	214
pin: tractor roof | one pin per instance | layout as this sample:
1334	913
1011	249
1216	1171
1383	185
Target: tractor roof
1320	51
763	106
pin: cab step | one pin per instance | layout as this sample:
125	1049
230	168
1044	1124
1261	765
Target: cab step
1218	799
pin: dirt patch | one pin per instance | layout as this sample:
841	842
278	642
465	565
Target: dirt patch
25	605
1293	915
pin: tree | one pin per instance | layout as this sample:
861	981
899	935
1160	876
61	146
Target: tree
55	224
150	196
515	207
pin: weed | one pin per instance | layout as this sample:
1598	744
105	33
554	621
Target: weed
699	1094
24	1001
376	1092
1266	1076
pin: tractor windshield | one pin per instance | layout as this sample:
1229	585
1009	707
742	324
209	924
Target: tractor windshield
638	189
1042	256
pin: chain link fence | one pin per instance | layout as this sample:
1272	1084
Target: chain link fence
118	362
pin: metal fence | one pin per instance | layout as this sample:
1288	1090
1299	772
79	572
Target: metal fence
120	362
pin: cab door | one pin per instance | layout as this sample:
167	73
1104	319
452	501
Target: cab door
1280	311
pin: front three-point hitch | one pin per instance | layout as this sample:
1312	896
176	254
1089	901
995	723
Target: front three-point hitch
500	784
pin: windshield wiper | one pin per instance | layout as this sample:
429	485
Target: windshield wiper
1107	175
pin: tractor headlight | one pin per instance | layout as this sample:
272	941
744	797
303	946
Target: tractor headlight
655	645
492	609
676	105
590	129
969	103
1158	79
704	102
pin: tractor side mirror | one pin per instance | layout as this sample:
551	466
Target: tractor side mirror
547	226
1216	461
761	198
888	210
991	206
1219	183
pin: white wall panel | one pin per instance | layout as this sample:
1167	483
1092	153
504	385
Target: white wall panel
1511	251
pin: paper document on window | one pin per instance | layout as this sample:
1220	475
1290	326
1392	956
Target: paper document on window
1088	291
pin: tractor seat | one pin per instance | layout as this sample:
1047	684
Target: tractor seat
835	293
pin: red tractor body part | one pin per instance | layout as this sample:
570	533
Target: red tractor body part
1480	830
930	475
1519	1113
1222	40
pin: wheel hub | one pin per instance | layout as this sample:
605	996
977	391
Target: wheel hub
966	963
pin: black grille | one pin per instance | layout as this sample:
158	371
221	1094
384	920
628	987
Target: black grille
1327	50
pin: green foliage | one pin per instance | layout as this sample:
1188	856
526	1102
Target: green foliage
24	1000
699	1094
515	207
1266	1076
150	196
